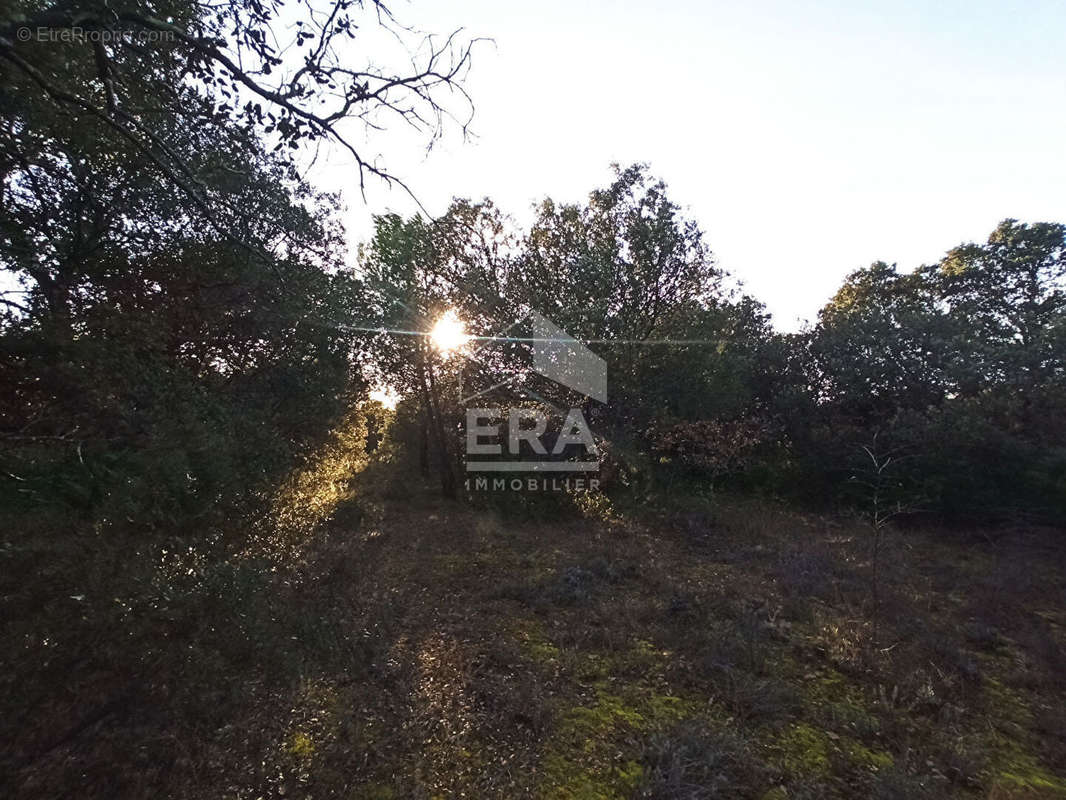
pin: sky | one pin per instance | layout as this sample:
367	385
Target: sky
806	139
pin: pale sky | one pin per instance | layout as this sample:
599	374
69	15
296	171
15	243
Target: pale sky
807	139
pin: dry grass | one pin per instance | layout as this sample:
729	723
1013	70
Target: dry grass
416	649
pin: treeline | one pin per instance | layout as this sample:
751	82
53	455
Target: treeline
938	391
180	323
174	292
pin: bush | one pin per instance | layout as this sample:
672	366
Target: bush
692	762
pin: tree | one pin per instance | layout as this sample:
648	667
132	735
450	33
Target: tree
259	67
957	364
883	343
148	360
401	265
1009	297
711	362
614	271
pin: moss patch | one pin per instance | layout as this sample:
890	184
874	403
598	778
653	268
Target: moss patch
535	643
1012	767
1005	703
805	751
860	755
375	791
581	759
300	746
567	781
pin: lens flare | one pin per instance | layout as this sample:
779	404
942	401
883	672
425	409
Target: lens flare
449	333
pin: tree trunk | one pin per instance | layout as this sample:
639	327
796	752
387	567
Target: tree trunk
430	402
423	444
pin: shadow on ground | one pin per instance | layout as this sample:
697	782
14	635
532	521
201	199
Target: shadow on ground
386	644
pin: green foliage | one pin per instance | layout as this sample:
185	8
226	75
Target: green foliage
959	367
162	358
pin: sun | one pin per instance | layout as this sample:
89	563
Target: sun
449	333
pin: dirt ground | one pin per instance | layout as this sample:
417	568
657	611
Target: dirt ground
403	647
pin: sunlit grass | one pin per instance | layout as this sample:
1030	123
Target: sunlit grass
312	492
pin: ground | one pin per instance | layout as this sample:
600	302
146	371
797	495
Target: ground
383	643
